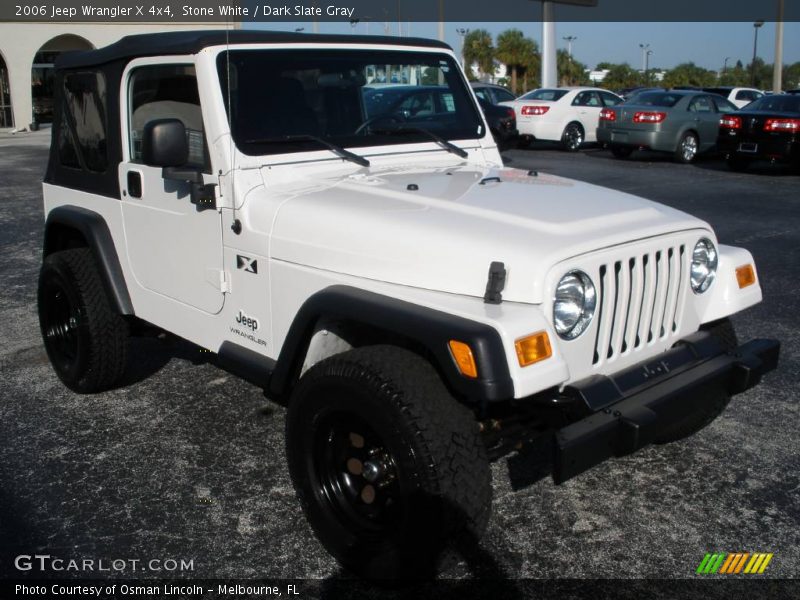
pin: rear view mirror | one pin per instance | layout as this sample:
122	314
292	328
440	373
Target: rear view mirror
164	143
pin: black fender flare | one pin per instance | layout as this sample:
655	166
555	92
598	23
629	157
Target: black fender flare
94	230
432	329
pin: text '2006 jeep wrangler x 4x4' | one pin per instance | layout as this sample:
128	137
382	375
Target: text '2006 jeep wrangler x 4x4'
357	248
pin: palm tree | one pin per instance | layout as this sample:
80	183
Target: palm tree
515	51
478	49
570	71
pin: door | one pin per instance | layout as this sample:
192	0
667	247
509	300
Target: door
175	250
588	106
706	120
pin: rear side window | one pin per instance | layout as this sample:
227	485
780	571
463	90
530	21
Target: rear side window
724	105
748	95
503	95
701	104
610	99
82	140
167	92
587	99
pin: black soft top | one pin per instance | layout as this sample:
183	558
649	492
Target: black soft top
192	42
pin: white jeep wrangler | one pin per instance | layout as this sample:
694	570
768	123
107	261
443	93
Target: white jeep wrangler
330	216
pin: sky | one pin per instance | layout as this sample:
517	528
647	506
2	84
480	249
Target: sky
705	44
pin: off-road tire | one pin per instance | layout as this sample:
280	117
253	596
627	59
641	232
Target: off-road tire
573	137
723	330
440	492
85	338
620	151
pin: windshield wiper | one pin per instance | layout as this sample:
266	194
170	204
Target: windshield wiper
303	137
439	140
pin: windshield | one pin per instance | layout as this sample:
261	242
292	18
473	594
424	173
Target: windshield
552	95
663	99
778	103
351	98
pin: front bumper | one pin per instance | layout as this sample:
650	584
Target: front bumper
632	408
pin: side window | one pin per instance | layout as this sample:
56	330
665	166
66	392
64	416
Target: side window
82	136
701	104
748	95
166	92
587	99
483	93
724	106
609	99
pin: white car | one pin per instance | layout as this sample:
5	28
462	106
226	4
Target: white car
569	115
419	307
740	96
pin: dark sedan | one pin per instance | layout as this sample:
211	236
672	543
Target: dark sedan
502	122
768	129
681	122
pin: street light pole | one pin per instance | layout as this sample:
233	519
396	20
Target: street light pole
645	48
725	65
777	68
569	39
463	33
756	26
647	66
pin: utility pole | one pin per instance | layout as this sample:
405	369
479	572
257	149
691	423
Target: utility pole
777	69
756	26
549	70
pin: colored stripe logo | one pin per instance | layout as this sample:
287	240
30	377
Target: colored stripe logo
734	563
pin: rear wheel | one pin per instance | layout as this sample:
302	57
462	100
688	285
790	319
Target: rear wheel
572	138
621	151
724	332
85	338
687	148
387	465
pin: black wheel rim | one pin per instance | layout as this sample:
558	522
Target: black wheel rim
61	322
574	137
356	476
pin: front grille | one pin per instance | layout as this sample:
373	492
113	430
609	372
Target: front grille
639	301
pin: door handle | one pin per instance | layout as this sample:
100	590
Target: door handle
134	184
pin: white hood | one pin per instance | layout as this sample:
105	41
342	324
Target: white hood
444	234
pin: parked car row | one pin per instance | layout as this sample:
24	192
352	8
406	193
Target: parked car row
743	123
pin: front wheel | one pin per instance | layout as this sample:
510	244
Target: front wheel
572	138
687	148
388	466
725	334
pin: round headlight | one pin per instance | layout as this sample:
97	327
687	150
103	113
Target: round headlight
704	265
574	304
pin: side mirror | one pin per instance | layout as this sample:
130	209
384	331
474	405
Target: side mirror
164	143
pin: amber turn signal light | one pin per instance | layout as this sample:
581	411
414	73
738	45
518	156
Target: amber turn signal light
533	348
745	275
465	361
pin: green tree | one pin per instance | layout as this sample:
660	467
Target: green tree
531	70
570	71
689	74
515	51
791	76
479	50
620	76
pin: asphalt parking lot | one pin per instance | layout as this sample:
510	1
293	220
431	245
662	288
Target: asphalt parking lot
187	462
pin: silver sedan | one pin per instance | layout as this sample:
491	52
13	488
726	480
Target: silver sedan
683	123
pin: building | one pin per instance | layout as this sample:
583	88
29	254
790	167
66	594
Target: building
28	51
